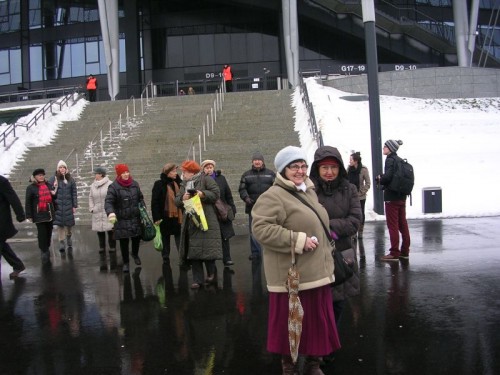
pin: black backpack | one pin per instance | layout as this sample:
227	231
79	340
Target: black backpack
404	178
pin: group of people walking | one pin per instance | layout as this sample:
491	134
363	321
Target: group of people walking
294	213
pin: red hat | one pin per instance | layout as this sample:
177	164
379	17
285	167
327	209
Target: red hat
121	168
329	161
190	166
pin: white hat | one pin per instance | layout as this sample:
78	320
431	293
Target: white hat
286	155
61	164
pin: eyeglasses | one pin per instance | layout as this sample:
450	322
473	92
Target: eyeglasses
296	167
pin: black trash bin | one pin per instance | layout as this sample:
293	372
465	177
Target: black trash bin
432	200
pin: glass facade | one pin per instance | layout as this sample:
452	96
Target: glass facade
59	41
10	15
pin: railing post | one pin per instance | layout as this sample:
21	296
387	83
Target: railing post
133	102
212	119
204	138
199	143
215	112
128	120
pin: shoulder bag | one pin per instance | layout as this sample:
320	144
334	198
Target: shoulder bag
342	268
148	231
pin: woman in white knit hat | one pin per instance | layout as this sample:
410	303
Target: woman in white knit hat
283	224
66	202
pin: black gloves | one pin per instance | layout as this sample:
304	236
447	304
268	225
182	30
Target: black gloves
249	201
20	218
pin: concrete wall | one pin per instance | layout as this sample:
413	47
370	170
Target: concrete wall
429	83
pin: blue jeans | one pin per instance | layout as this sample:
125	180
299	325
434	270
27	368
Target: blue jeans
254	245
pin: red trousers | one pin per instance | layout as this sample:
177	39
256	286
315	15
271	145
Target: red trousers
395	214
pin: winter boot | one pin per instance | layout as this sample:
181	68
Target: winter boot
287	365
360	231
69	241
62	246
312	366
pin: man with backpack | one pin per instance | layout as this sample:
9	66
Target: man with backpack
397	182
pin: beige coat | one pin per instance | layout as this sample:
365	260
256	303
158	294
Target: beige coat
277	213
97	195
364	183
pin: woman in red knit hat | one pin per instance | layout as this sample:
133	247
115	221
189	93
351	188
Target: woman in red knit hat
199	246
122	208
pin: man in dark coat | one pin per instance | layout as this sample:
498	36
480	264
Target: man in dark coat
395	206
9	198
253	183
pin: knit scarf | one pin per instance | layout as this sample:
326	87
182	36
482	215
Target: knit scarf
44	197
124	183
170	207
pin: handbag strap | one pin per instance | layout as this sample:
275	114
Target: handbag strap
327	232
292	248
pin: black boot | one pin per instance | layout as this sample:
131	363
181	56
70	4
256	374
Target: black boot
289	368
312	366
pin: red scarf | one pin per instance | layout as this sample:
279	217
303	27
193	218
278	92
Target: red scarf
124	183
44	197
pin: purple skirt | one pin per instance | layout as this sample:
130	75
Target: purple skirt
319	332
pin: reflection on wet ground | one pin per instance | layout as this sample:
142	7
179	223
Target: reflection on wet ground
437	313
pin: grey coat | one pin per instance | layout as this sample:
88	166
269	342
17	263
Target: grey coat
97	197
65	200
195	243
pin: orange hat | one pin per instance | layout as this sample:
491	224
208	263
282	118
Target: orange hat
121	168
190	166
330	160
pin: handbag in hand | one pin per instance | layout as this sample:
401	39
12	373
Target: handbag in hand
148	231
343	270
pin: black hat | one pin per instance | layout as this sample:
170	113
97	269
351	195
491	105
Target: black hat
38	171
100	170
257	156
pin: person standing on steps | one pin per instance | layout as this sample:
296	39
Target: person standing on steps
226	227
253	183
227	74
66	202
39	209
92	88
100	223
395	206
122	207
358	175
164	210
8	199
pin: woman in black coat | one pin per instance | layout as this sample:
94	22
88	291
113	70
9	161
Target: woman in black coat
226	227
122	208
163	208
340	198
9	198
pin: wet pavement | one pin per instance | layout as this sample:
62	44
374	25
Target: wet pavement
438	313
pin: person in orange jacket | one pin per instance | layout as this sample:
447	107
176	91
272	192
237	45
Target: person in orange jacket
92	87
228	77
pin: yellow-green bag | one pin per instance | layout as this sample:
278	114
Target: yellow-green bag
158	242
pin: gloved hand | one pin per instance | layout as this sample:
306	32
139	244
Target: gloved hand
112	218
29	220
20	218
249	201
334	235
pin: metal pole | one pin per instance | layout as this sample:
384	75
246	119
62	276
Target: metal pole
215	111
199	145
374	99
204	139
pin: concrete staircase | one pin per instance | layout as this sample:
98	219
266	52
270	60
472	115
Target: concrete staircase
250	121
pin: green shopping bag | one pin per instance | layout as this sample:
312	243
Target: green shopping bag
158	242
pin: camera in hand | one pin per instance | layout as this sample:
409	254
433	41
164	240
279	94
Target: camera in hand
191	191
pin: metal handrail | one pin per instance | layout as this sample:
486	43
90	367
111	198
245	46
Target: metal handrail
311	118
11	129
25	95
